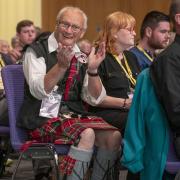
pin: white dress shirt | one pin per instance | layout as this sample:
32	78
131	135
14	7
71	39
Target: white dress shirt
35	70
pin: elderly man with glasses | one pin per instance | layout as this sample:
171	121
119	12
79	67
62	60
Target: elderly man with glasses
58	83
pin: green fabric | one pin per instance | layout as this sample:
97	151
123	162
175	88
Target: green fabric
146	139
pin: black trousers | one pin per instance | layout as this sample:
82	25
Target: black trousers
131	176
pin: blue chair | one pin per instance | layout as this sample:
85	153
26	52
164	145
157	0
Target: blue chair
13	79
172	163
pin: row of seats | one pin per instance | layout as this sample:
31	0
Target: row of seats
13	79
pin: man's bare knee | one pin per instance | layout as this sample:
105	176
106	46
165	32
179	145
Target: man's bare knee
87	139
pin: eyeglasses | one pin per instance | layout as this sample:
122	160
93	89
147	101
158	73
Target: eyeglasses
131	30
66	25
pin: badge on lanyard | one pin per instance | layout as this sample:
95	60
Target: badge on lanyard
50	105
81	57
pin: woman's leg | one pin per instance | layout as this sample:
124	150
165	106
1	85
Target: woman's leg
107	155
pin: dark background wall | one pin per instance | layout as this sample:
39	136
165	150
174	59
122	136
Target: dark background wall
97	10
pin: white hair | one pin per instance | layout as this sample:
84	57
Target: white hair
71	8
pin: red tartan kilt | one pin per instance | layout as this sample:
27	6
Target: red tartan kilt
67	130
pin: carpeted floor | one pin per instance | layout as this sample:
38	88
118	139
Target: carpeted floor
25	171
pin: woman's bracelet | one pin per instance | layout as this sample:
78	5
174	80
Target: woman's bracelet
124	104
92	74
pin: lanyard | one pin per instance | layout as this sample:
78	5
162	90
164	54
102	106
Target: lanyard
1	65
128	72
145	53
1	62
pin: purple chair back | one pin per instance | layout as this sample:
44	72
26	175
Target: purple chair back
13	80
172	163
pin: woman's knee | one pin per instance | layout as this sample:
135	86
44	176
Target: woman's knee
117	136
108	139
113	136
114	140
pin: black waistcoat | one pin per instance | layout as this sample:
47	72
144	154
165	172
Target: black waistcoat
29	114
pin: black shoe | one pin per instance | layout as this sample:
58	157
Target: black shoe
42	176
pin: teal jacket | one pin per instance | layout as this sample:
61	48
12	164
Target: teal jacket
146	139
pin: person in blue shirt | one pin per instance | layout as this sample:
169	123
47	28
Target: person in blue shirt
154	34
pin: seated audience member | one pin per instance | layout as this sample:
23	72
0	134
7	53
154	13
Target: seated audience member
165	75
3	104
38	30
85	46
4	60
53	100
118	71
26	33
4	52
4	46
154	33
4	121
43	35
15	43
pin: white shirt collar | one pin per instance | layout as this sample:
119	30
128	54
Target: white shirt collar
53	44
76	48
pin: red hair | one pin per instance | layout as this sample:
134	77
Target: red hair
113	23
